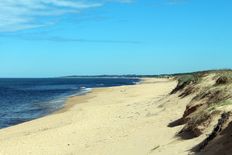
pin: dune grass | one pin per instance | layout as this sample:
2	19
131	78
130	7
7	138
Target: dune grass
224	78
184	81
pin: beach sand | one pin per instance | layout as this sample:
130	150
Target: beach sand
125	120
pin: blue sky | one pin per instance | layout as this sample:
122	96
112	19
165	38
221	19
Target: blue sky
46	38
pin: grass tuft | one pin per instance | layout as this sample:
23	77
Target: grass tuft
184	81
223	78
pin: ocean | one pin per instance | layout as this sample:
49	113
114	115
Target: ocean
26	99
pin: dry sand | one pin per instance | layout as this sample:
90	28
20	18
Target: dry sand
125	120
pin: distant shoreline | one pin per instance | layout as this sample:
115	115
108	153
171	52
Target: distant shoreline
82	96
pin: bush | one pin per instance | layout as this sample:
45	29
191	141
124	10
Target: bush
184	81
223	80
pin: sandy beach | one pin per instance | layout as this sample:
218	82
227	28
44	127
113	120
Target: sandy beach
125	120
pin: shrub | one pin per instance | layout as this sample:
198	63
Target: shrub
184	81
223	80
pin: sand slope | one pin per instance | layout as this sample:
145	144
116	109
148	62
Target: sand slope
126	120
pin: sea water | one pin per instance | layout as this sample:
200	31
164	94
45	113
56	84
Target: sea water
26	99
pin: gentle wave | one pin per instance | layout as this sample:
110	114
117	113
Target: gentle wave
26	99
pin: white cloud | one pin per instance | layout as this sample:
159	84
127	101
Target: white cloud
25	14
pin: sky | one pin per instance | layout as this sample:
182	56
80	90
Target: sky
50	38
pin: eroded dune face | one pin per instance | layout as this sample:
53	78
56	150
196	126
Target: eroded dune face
208	112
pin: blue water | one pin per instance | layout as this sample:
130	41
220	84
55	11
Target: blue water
23	100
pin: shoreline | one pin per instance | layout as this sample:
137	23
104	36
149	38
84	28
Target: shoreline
120	120
82	97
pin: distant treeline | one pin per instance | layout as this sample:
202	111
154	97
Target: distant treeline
147	76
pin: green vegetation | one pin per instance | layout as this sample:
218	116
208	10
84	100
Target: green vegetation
210	99
186	80
225	103
220	104
207	99
223	78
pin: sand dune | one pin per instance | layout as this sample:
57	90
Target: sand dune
126	120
